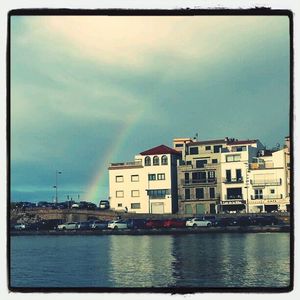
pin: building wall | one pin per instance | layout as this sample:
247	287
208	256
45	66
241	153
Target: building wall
147	203
268	179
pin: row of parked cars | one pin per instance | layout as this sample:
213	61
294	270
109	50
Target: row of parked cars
104	204
204	221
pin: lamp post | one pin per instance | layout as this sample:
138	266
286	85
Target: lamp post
56	186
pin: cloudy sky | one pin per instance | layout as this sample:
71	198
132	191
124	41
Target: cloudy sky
87	91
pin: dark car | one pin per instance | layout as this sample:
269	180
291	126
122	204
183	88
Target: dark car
244	221
84	225
45	224
154	224
104	204
174	223
136	223
223	222
265	220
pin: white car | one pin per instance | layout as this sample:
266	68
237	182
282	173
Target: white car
195	222
117	224
68	226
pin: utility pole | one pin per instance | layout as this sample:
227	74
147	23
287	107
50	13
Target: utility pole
56	186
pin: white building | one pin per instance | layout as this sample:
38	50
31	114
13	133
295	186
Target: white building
268	183
235	160
146	185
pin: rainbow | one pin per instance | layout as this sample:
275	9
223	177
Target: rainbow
94	191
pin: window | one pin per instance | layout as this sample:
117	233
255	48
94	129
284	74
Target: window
258	194
188	162
135	193
187	194
134	178
212	194
147	161
199	177
119	194
155	161
161	176
199	193
151	177
217	148
164	160
157	194
135	205
119	204
228	175
230	158
214	161
178	145
194	150
119	178
211	174
238	173
200	163
186	177
234	194
207	148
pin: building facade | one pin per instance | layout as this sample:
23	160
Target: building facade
268	183
199	176
146	185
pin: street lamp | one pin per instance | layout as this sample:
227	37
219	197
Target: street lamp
56	186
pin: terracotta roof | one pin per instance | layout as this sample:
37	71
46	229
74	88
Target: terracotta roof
241	142
162	149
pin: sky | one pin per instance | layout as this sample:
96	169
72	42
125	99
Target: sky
90	90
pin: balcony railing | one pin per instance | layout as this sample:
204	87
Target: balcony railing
234	197
127	164
199	181
263	182
263	197
233	180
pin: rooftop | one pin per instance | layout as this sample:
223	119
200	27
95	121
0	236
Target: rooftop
162	149
236	142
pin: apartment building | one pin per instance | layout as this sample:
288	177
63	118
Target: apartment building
146	185
199	176
268	182
235	182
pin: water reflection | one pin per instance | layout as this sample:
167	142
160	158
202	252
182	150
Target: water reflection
232	260
141	261
195	260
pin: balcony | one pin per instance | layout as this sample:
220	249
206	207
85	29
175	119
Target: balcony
199	181
260	166
265	182
233	180
233	199
264	197
129	164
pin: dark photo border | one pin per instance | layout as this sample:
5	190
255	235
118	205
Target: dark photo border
151	12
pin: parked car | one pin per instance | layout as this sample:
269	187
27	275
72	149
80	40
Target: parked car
19	226
117	224
136	223
154	224
83	225
104	204
174	223
98	224
68	226
223	222
195	222
244	221
265	220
